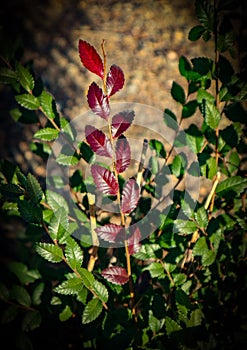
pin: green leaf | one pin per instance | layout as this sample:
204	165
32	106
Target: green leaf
155	269
21	295
65	314
208	258
171	326
4	292
236	184
194	138
153	164
231	134
202	65
200	248
177	168
86	152
9	314
196	318
87	277
68	156
31	321
92	310
37	292
158	147
212	115
211	168
73	253
70	287
178	93
58	224
201	217
196	32
24	275
25	77
11	191
7	75
154	323
203	94
101	291
34	190
30	212
82	295
28	101
185	227
170	119
50	252
56	201
205	14
47	134
189	109
147	251
48	104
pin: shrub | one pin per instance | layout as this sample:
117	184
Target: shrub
82	277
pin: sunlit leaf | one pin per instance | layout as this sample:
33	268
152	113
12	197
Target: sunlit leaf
110	232
46	134
56	201
48	104
235	184
130	196
98	141
122	154
73	253
92	310
50	252
104	180
28	101
212	115
90	58
121	122
70	287
101	291
58	224
114	80
97	101
25	77
87	277
115	275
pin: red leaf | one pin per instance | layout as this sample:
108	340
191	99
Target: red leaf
134	240
104	180
130	196
121	122
116	275
122	154
90	58
114	80
110	232
97	101
98	141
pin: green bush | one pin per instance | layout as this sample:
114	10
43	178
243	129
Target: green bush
75	278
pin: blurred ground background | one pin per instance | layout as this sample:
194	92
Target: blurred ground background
145	38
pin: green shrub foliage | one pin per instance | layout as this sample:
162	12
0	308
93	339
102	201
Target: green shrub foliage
182	286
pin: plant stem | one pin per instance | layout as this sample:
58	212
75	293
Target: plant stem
127	254
217	97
